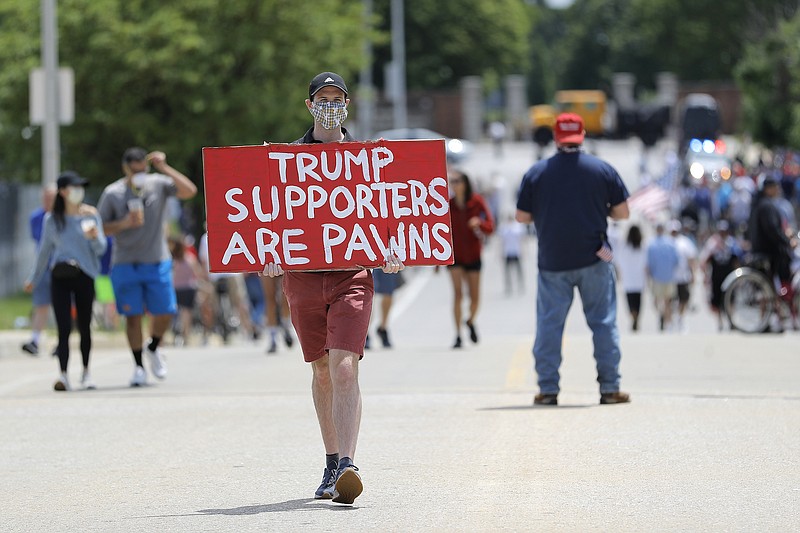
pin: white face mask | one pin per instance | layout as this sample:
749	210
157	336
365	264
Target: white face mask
330	115
75	195
138	179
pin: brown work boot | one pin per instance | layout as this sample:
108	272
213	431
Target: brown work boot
545	399
608	398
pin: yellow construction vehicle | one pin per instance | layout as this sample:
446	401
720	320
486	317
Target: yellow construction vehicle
589	104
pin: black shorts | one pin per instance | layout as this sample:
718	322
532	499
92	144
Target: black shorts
634	301
469	267
683	292
185	297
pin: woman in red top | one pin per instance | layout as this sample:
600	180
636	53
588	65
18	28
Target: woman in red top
472	221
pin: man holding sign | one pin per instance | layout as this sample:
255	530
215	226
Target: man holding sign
330	311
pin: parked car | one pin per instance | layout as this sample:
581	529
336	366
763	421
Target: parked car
457	149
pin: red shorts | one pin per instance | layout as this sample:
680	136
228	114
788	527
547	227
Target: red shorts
330	310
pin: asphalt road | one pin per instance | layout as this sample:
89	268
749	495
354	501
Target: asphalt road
449	438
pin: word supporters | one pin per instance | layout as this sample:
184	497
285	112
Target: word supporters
327	206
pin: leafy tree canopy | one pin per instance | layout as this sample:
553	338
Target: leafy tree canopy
174	76
446	41
769	77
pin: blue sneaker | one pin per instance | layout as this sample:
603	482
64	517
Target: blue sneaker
326	488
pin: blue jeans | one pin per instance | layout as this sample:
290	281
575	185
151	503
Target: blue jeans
597	287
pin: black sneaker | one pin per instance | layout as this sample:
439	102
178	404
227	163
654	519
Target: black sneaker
348	485
384	335
473	334
326	489
545	399
287	337
457	344
31	347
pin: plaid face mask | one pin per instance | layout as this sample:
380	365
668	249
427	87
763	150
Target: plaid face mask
330	115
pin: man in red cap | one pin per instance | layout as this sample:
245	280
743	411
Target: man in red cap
569	197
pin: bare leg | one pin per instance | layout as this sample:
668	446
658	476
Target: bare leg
386	305
667	313
346	400
185	323
269	285
322	393
40	315
133	329
457	276
159	324
474	288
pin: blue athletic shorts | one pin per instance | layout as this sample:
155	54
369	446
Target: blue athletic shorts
41	291
144	287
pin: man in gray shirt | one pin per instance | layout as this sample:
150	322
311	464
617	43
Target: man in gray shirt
133	210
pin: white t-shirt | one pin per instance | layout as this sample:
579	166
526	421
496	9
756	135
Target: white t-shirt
687	254
632	265
511	234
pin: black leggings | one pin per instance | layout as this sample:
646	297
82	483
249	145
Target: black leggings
62	292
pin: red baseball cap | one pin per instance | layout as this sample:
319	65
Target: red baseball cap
569	129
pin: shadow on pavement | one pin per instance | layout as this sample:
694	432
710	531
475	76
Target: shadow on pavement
537	407
303	504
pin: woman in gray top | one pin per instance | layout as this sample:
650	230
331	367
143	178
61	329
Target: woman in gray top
74	236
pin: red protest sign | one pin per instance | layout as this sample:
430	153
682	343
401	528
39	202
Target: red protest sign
327	206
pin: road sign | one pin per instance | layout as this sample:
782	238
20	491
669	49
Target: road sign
66	99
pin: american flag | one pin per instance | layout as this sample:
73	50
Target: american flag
649	201
605	253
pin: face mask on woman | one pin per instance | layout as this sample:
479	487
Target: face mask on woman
330	115
75	195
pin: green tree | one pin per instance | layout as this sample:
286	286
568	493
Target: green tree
546	62
175	75
695	39
444	43
769	77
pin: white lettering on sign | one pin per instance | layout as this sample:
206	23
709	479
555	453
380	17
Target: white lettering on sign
368	219
307	164
424	241
376	200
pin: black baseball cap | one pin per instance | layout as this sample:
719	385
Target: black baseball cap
326	79
134	154
70	177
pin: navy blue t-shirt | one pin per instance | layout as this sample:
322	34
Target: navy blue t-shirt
569	197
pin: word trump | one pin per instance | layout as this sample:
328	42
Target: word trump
331	206
309	165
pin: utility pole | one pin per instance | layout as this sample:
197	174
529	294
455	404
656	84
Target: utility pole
366	93
399	64
51	143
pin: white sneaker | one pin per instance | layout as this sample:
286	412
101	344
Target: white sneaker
158	366
62	384
139	378
87	383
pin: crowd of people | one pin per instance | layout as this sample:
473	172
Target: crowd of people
569	198
716	228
